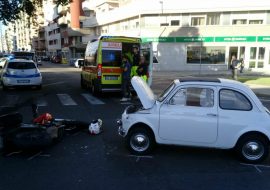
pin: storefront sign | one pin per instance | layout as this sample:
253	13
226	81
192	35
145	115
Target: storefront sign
263	38
159	39
208	39
194	39
235	39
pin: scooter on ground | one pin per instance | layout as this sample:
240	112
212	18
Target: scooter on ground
43	131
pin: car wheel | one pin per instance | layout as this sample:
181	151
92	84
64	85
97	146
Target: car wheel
60	134
140	141
83	86
252	148
94	89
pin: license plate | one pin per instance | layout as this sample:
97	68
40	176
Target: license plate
111	77
23	81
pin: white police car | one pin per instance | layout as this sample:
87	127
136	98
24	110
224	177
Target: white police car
212	113
21	72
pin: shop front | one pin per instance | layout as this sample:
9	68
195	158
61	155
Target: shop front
211	53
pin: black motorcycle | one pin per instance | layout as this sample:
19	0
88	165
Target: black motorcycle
15	133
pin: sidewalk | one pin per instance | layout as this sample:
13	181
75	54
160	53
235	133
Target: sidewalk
164	78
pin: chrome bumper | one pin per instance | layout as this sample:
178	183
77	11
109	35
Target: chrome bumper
121	131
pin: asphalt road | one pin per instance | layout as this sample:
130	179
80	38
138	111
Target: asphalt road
82	161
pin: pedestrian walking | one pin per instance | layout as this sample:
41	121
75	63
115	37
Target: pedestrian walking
242	65
234	67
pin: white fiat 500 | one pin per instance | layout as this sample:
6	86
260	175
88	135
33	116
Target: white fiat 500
21	72
213	113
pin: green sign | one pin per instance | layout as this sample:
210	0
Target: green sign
208	39
159	39
263	39
194	39
236	39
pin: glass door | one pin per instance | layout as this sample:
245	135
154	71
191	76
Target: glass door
256	57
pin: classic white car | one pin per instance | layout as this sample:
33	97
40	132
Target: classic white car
202	112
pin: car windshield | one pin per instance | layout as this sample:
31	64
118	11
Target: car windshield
21	65
165	93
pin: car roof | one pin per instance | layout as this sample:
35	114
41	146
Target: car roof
198	79
212	81
21	60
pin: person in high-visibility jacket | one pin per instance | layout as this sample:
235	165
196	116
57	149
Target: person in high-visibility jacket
142	69
135	61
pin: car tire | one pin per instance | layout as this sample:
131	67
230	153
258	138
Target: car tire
83	85
94	89
252	148
140	141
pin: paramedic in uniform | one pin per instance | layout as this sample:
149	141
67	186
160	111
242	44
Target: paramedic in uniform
135	60
142	69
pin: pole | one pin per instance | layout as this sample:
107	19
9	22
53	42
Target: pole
200	55
2	46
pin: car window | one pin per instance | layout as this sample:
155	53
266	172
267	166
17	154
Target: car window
21	65
192	96
233	100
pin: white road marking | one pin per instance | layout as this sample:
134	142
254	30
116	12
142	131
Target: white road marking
51	84
41	102
257	167
34	156
66	100
92	100
12	153
150	157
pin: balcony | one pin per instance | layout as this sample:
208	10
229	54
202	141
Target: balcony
62	21
78	31
78	45
62	9
89	21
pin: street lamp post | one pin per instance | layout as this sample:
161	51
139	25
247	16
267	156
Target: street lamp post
161	2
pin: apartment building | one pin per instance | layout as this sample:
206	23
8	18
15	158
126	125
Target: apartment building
191	35
39	41
25	30
71	30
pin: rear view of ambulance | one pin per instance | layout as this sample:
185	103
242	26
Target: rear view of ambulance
101	69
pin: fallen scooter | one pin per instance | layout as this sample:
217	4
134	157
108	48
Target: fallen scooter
43	131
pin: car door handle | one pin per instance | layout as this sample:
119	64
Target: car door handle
212	114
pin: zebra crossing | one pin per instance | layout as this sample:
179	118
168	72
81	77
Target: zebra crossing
40	100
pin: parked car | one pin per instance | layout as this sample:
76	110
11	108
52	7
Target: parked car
56	59
2	62
20	72
78	63
201	112
45	58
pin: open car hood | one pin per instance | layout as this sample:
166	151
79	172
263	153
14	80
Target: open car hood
144	92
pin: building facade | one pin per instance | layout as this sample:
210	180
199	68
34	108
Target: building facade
190	36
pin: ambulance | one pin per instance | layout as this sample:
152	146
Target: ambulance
102	66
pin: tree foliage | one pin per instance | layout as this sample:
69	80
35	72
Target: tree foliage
10	9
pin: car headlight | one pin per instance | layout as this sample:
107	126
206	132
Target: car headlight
37	75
